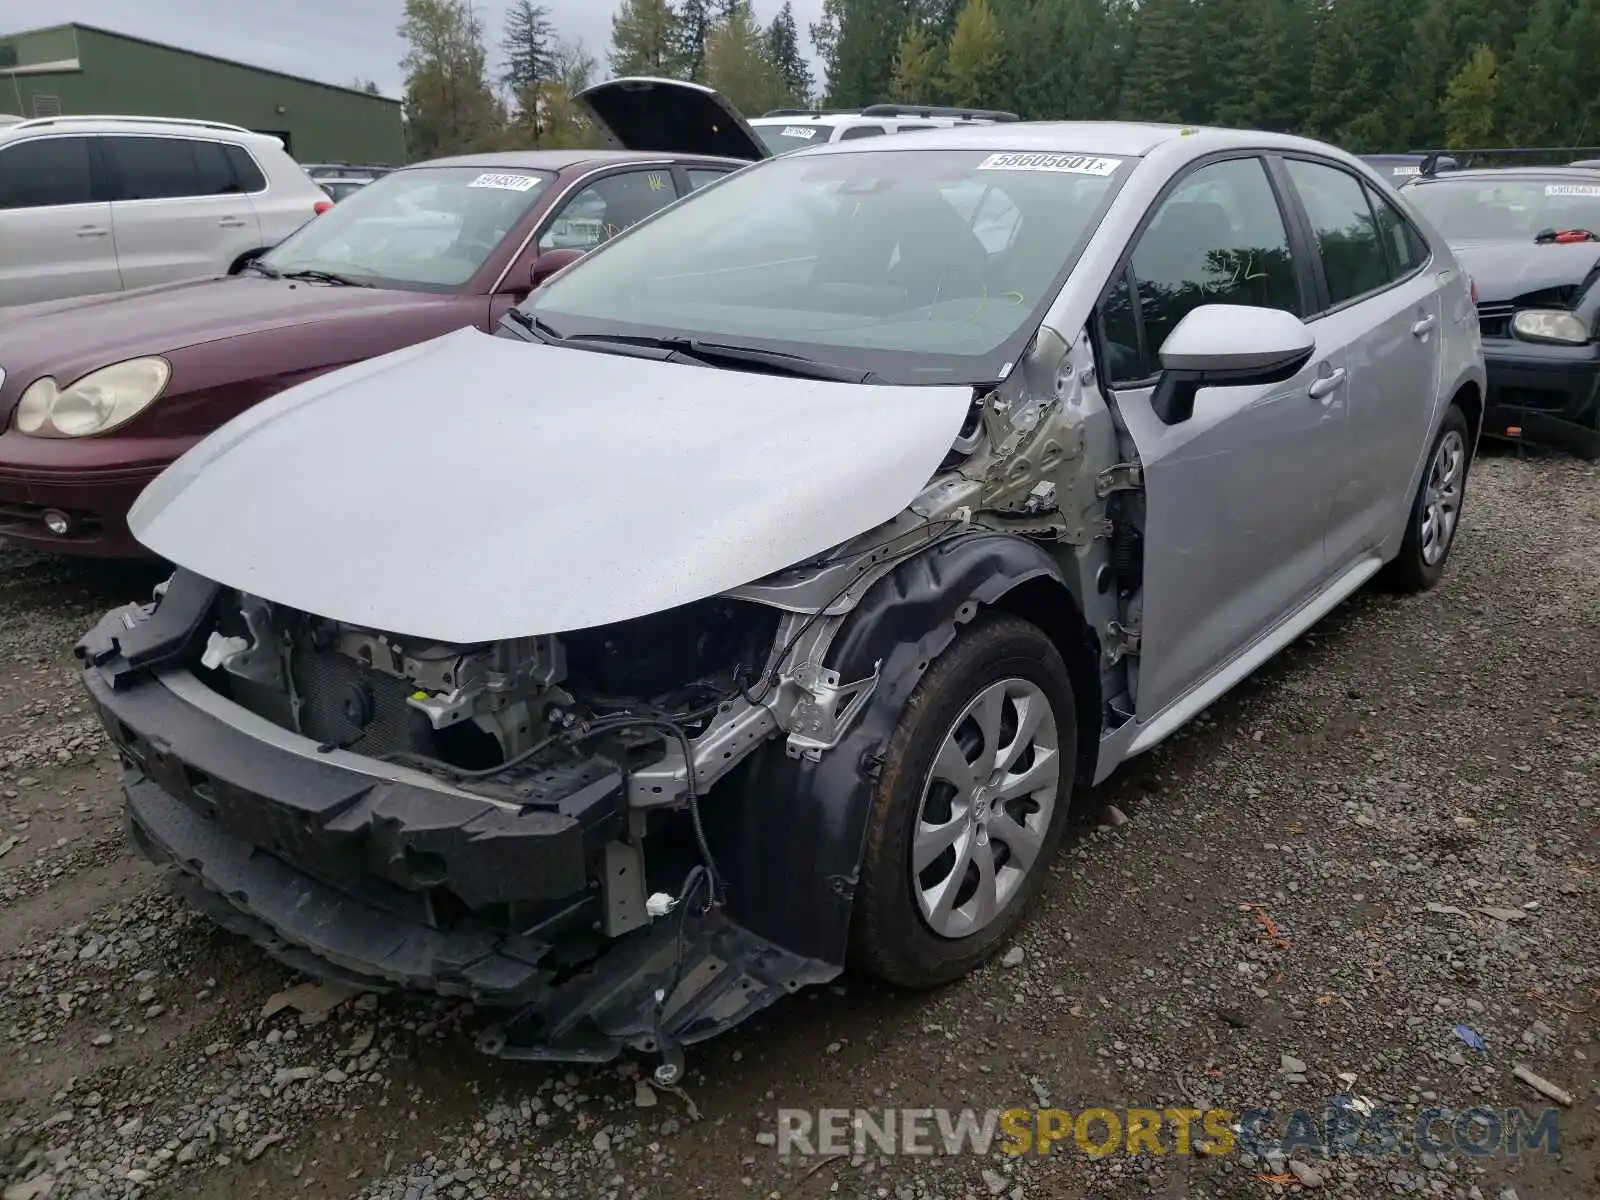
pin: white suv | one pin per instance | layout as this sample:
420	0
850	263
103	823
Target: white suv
102	204
786	129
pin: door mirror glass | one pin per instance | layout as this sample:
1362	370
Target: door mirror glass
1237	343
549	262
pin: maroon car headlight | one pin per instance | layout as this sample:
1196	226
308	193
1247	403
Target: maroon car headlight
97	403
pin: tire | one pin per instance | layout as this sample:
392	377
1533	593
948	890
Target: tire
1440	495
900	933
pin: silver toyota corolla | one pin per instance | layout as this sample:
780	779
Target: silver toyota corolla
759	598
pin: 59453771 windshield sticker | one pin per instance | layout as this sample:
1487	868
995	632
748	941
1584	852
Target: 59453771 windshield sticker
1572	189
799	131
509	183
1067	164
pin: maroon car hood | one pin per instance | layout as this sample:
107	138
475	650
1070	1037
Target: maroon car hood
66	338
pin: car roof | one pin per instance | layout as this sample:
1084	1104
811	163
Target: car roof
1554	171
1130	139
112	124
558	160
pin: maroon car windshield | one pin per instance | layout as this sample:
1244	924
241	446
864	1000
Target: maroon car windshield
422	228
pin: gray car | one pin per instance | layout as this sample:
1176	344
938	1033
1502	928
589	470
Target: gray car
761	597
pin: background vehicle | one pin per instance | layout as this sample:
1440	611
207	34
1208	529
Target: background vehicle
785	129
426	249
339	188
104	204
796	557
1400	167
1530	238
369	172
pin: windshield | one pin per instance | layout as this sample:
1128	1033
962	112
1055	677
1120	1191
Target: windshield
780	139
1506	210
923	266
425	228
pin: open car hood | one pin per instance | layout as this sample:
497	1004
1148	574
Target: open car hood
476	487
668	116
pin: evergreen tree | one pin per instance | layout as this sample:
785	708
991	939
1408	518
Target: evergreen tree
1470	101
974	56
1164	63
643	34
860	40
737	65
783	51
528	44
918	68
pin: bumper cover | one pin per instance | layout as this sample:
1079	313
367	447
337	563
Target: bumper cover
337	873
1548	395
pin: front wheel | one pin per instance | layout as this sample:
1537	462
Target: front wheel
1435	512
970	806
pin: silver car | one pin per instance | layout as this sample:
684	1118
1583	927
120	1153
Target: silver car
106	204
762	596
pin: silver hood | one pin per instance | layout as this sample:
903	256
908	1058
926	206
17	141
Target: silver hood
476	487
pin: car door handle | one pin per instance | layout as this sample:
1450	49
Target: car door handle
231	223
91	231
1324	387
1424	326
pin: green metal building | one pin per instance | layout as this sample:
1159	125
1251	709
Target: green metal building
79	70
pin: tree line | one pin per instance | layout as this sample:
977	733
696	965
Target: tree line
460	95
1370	75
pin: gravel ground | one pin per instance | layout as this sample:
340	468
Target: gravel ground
1389	832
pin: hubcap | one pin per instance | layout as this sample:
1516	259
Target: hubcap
985	807
1441	497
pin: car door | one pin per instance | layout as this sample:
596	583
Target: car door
1237	494
1376	294
56	237
176	207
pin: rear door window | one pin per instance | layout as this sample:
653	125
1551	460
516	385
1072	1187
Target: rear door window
1401	242
700	176
46	173
152	168
1346	231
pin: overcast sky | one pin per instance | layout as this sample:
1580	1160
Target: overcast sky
331	40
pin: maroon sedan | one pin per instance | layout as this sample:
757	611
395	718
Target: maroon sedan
98	394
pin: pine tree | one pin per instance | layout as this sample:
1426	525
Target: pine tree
642	39
1164	63
783	51
1470	101
859	40
527	42
974	56
918	68
1542	76
736	64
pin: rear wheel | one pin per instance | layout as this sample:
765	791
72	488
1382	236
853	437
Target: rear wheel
1435	510
970	806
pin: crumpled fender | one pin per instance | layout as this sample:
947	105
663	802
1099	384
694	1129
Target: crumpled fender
790	845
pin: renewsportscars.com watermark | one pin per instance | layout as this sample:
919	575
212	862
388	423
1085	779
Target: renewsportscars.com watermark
1338	1130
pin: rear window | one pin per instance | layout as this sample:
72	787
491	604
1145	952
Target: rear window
1507	210
780	139
161	168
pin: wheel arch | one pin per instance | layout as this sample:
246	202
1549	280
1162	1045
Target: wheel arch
247	257
1469	398
790	834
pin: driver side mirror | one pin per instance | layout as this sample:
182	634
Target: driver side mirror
1220	345
549	262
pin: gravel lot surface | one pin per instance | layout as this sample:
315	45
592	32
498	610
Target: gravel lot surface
1389	832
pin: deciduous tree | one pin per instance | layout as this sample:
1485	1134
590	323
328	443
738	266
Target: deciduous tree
449	104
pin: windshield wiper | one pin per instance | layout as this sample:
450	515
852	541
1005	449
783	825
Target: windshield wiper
314	275
528	323
709	353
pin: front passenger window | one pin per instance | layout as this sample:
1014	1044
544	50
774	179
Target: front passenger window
45	173
605	208
1218	238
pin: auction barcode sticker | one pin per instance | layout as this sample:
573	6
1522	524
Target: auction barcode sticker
1572	189
510	183
799	131
1069	164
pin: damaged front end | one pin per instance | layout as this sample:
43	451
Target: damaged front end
511	822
